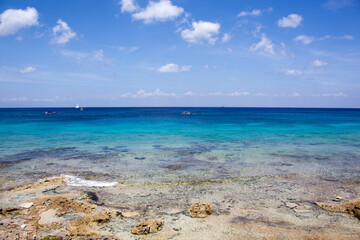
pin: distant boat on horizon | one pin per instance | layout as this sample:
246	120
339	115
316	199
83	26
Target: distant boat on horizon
77	106
185	113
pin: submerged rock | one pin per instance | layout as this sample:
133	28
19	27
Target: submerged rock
200	210
149	226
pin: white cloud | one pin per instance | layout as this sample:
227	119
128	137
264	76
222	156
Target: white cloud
293	72
143	94
128	49
337	4
15	99
26	99
293	21
173	68
160	11
78	57
85	57
295	94
339	94
255	12
257	31
236	94
128	6
201	31
265	45
304	39
189	93
318	63
233	94
99	55
27	70
12	20
309	39
226	38
210	67
62	33
346	37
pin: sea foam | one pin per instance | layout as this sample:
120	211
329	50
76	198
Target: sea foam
76	181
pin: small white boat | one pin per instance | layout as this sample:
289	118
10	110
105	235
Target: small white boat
77	106
185	113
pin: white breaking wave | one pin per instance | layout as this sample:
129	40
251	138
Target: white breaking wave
76	181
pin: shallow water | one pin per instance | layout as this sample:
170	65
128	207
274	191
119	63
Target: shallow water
160	144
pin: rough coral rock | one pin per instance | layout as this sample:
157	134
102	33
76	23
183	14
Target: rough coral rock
351	207
149	226
200	210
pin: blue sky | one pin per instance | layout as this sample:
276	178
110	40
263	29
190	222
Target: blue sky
245	53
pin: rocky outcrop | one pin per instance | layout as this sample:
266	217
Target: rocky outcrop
351	207
200	210
66	213
149	226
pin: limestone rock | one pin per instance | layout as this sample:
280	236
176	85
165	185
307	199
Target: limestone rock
130	214
338	199
26	205
200	210
291	205
149	226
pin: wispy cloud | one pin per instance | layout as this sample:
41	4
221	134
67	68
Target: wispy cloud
173	68
27	70
231	94
339	94
293	72
85	57
144	94
226	38
265	45
304	39
338	4
309	39
318	63
254	12
62	33
27	99
128	49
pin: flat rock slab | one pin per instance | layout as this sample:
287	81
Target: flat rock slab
26	205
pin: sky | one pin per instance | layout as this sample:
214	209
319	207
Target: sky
133	53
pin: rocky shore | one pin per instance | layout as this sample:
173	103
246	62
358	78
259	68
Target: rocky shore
289	206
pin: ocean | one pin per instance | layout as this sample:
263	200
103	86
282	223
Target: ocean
160	144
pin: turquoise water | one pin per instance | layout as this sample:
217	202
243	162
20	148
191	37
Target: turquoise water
158	144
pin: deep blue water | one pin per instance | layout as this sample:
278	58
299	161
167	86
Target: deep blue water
161	144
